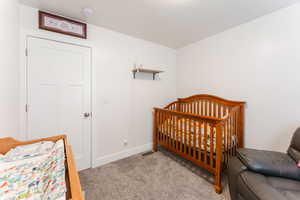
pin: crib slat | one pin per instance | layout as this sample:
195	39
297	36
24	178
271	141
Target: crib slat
227	137
236	132
232	134
194	108
176	132
169	131
205	142
200	141
185	135
203	107
162	127
158	125
212	145
195	138
173	132
206	108
180	134
165	129
231	128
189	136
214	107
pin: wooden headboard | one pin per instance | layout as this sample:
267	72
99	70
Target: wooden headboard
204	105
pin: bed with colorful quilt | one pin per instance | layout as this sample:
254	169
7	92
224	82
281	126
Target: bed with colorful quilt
41	169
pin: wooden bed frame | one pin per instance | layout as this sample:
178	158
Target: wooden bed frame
74	191
219	121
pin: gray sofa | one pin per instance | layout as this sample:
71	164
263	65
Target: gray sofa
266	175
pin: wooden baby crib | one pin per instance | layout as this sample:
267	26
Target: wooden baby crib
204	129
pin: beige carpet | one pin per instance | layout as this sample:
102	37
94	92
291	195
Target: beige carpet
158	176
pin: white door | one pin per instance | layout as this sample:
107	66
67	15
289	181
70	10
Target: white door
59	94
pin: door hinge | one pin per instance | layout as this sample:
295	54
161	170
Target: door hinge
26	107
26	52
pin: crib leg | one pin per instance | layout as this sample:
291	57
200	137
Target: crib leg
154	148
218	184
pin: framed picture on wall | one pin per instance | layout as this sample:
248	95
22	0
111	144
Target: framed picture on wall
62	25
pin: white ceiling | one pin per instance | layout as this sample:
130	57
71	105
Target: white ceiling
173	23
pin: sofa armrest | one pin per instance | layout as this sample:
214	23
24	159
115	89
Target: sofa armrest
235	168
269	163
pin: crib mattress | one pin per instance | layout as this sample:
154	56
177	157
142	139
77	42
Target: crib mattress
188	132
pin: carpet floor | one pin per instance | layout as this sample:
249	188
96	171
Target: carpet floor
158	176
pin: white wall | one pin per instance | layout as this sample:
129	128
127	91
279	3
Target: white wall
9	68
121	106
258	62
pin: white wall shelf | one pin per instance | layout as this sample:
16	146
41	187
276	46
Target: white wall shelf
142	70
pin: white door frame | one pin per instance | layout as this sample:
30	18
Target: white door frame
24	87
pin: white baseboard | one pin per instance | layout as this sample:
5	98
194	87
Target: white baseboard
120	155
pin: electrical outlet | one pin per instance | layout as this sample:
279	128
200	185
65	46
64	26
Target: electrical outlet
125	142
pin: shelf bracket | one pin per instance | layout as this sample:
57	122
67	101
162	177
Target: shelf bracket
134	74
154	75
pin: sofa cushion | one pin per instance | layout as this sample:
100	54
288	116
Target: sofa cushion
269	163
294	149
254	186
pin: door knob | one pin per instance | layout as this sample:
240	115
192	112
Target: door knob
86	115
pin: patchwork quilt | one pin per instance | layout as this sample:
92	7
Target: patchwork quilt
41	177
